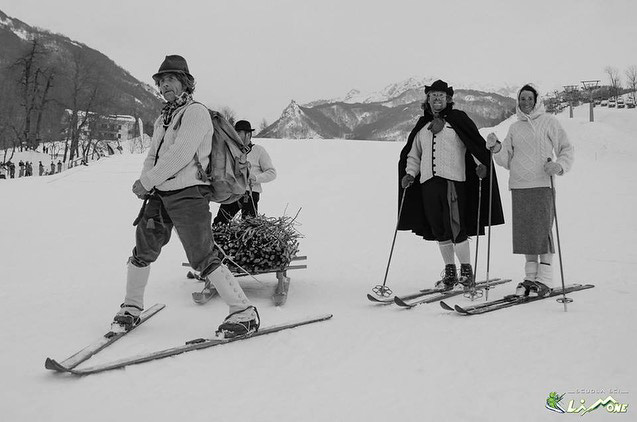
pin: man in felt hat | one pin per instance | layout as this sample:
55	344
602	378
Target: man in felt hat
261	171
175	197
447	158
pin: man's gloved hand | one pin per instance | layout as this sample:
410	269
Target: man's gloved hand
552	168
139	190
481	171
406	181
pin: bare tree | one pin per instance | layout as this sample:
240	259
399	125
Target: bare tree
631	78
85	97
614	79
34	79
229	114
8	114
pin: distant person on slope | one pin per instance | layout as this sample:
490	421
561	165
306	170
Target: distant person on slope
261	171
529	144
175	197
447	157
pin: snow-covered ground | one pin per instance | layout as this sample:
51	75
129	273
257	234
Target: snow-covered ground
64	241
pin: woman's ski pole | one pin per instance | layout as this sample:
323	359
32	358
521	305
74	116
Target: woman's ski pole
562	299
473	293
486	288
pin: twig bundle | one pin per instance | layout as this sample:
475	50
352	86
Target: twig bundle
258	244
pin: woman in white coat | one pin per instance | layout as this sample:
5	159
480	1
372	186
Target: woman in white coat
535	149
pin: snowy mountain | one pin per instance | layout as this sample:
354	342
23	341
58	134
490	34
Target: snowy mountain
505	89
66	238
128	95
388	114
394	90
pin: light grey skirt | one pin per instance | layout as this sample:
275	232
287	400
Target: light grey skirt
532	211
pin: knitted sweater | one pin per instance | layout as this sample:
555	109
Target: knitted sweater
261	168
175	168
440	155
529	143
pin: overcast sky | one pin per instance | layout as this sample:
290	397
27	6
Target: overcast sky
257	55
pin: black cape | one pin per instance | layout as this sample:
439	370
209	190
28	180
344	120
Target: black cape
413	217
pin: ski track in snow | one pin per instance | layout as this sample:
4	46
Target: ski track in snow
66	239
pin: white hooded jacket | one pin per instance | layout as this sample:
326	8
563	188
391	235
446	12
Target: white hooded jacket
528	145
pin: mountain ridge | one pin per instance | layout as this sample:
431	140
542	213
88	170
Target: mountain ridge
385	115
127	95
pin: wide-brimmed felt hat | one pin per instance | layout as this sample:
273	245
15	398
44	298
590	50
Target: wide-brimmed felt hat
440	86
173	64
243	125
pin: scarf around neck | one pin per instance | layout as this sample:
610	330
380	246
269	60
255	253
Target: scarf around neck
168	111
438	119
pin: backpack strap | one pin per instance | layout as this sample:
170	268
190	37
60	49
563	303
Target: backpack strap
201	173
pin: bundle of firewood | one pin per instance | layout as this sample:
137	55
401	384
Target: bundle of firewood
258	244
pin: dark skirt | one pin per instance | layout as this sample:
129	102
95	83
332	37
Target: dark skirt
532	211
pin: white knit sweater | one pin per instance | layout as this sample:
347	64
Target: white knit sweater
529	143
190	132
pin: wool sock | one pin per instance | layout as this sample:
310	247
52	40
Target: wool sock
463	252
446	250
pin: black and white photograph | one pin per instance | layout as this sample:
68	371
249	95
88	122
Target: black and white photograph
299	211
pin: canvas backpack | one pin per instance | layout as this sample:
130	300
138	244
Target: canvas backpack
227	171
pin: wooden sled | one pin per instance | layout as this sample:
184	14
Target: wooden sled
280	292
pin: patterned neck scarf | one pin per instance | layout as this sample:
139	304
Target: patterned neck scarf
169	108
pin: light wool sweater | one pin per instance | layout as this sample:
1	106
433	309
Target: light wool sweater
529	143
190	131
437	155
261	168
